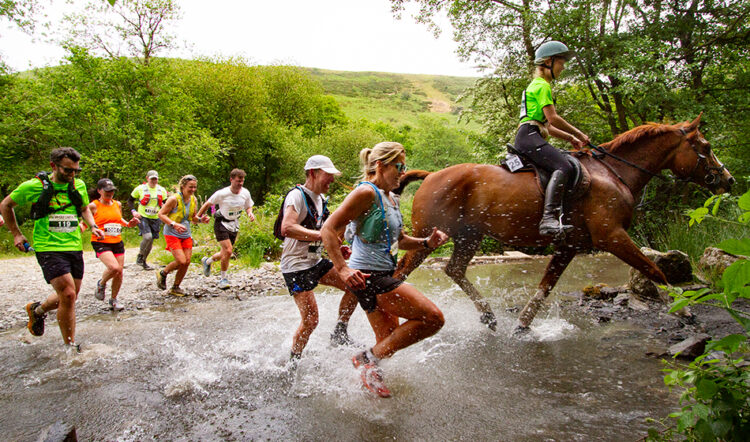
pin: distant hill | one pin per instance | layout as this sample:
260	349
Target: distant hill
393	98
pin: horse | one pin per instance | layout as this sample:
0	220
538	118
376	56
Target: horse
471	201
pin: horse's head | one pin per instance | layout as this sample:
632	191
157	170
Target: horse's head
695	161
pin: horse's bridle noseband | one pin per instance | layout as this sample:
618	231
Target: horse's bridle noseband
712	172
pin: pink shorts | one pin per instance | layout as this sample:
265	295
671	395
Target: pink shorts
175	243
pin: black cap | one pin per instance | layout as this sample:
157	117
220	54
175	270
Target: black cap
106	185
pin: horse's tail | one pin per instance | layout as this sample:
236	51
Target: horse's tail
410	177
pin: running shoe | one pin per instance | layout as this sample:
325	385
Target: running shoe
100	289
371	374
176	291
147	267
115	305
36	322
161	280
206	266
224	283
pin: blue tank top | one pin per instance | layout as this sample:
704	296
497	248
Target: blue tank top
376	255
169	230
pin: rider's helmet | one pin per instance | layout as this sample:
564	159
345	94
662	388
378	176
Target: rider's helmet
552	49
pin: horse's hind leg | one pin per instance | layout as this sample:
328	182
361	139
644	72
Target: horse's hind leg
555	268
464	248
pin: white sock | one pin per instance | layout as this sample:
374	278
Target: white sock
39	310
371	357
210	260
223	273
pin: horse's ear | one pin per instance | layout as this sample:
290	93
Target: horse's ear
695	123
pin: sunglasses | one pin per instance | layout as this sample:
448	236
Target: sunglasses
401	167
69	170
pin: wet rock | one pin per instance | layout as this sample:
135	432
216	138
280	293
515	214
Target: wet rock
674	264
715	261
690	348
58	432
621	299
636	304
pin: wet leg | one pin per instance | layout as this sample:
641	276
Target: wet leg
465	247
308	310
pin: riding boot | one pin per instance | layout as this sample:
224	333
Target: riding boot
551	223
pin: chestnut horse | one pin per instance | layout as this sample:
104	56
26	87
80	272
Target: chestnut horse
471	201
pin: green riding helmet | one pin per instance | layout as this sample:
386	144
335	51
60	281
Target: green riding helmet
552	49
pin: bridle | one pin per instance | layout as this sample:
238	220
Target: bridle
713	173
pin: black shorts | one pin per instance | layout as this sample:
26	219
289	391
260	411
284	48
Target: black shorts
152	225
117	248
56	264
378	282
222	233
308	279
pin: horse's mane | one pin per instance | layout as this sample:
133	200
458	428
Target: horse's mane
635	134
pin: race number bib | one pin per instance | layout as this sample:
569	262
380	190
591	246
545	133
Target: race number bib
59	223
151	210
514	162
233	213
112	229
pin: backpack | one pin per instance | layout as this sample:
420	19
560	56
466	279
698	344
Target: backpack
41	207
311	221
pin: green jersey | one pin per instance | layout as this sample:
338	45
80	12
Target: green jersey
59	231
537	95
156	198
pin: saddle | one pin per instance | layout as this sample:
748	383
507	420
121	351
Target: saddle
577	185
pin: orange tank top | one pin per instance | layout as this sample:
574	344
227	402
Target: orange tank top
109	219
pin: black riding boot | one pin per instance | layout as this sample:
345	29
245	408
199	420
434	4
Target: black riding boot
551	223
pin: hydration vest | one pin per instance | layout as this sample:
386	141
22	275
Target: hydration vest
312	221
179	214
147	196
41	207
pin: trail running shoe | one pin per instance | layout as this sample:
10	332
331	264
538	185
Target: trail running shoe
36	322
372	376
224	284
115	305
176	291
206	266
100	289
161	280
146	266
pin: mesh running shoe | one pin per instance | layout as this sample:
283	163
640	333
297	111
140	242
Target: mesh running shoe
372	376
115	305
224	284
206	266
36	322
161	280
100	289
176	291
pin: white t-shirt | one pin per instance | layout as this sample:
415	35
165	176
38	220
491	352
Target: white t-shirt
300	255
231	205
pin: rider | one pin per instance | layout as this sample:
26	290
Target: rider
232	201
110	250
374	209
539	119
145	201
57	237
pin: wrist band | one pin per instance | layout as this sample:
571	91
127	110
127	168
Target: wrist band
425	244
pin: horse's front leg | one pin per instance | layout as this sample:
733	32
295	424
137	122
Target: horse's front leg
410	261
557	265
619	244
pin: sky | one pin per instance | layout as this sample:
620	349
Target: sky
350	35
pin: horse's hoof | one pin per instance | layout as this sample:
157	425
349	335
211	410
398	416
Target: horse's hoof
488	319
520	331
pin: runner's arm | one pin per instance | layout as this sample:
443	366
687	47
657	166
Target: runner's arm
132	205
292	229
203	208
6	210
436	239
89	218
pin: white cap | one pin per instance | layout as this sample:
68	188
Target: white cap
152	174
321	162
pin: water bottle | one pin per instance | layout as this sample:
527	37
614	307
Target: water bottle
27	247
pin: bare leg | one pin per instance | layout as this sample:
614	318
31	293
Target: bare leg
117	279
423	319
224	254
182	257
555	268
114	268
308	310
64	300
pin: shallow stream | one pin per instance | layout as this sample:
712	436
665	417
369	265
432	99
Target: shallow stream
214	369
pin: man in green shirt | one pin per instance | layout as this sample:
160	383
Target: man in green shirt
56	237
145	202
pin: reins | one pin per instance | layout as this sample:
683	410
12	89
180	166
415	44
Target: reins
602	152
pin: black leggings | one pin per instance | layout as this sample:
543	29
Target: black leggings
530	143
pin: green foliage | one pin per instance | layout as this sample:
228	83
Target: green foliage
256	243
716	385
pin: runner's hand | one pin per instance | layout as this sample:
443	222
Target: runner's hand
134	222
353	278
205	219
99	233
437	238
18	241
136	215
180	228
251	216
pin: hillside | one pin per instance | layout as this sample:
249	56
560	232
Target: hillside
393	98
